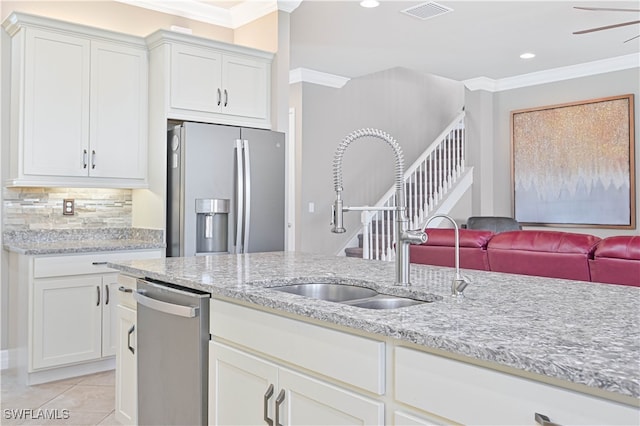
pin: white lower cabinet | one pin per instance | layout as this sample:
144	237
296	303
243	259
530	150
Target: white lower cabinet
126	360
469	394
66	311
73	319
245	389
274	369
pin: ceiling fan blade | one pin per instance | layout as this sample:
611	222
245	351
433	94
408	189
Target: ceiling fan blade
608	9
632	38
608	27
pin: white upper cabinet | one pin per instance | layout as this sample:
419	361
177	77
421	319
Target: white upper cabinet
118	121
78	105
211	81
56	103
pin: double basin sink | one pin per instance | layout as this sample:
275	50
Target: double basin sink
352	295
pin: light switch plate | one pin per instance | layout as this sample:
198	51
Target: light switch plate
68	207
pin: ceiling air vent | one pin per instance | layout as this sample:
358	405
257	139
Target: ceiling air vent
427	10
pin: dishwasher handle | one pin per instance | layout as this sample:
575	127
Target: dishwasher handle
168	308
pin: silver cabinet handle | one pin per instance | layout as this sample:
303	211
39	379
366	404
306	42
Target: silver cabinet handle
543	420
219	97
129	333
106	295
125	289
267	396
84	158
279	401
98	263
93	159
167	308
226	97
98	301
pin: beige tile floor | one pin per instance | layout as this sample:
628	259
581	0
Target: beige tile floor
85	400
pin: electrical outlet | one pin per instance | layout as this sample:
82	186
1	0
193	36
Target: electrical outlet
68	207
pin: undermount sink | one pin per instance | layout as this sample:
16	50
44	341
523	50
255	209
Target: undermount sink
352	295
328	291
385	302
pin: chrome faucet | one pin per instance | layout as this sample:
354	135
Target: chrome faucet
458	284
403	234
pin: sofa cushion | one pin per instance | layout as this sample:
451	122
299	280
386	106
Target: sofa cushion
543	253
617	261
439	249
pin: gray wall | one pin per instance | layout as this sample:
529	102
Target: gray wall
489	139
412	107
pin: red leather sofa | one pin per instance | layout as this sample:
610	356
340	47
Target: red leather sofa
617	261
554	254
543	253
440	250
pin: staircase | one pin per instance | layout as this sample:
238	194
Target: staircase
430	183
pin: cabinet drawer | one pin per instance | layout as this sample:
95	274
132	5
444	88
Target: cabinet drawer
126	287
342	356
90	263
469	394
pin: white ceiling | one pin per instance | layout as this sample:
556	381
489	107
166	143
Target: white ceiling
478	39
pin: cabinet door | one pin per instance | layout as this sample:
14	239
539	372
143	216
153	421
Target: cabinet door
245	87
118	120
241	387
126	370
56	104
195	79
110	329
67	320
309	401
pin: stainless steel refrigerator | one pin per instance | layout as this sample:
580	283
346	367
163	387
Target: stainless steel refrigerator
225	190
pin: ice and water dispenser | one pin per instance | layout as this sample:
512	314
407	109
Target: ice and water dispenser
212	225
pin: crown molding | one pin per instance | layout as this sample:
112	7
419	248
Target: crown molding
306	75
234	17
619	63
556	74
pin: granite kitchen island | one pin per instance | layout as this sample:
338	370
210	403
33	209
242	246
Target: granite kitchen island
580	339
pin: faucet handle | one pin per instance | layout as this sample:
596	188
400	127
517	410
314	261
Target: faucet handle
458	285
414	236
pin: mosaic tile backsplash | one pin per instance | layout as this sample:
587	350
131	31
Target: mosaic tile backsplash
41	208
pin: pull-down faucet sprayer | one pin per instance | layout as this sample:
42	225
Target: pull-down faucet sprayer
403	234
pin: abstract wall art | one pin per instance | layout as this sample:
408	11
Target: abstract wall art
573	164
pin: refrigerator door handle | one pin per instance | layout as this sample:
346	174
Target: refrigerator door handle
247	195
239	195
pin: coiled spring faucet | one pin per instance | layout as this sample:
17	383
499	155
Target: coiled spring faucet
403	234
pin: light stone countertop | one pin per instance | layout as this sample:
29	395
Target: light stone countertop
68	241
581	332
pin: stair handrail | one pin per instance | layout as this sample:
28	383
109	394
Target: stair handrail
384	249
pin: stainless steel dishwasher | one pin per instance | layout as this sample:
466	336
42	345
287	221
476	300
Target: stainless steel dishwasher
172	354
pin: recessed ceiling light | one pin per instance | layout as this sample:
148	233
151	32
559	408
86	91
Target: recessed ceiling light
528	55
369	3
